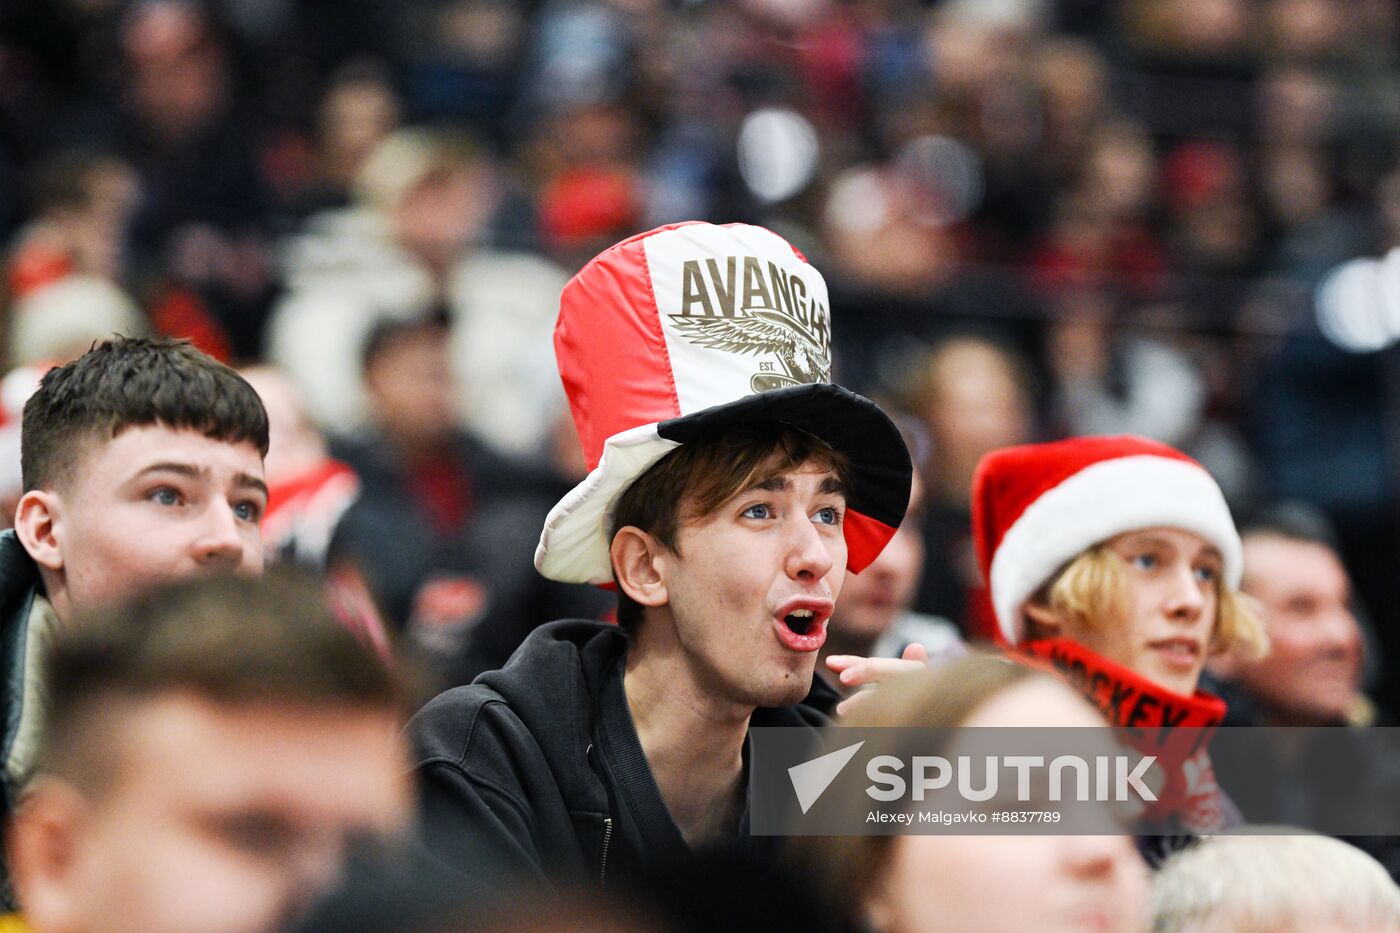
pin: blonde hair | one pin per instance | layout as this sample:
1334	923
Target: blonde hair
1092	590
1296	882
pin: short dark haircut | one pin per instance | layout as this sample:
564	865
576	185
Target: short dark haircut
130	382
704	474
1292	521
391	333
232	640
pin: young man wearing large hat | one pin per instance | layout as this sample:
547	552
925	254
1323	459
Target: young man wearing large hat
732	487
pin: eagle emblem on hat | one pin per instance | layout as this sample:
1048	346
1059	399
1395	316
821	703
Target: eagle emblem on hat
804	354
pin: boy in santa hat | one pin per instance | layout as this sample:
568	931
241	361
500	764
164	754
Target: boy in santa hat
1116	560
732	487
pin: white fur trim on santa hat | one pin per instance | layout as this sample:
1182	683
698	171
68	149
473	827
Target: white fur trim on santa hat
1097	503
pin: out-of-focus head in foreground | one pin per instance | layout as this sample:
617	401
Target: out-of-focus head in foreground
212	751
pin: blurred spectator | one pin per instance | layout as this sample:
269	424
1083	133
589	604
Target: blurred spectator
1213	227
464	64
200	230
580	53
81	206
414	246
1312	673
1304	30
423	480
308	493
1297	186
1134	372
60	321
877	240
307	490
359	108
1115	383
212	753
583	156
908	883
357	266
1294	106
1073	77
181	127
484	596
1099	235
1322	414
1192	57
15	388
1288	883
973	396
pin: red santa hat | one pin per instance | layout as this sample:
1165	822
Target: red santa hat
679	333
1038	506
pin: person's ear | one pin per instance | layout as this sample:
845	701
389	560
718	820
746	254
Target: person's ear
636	566
42	849
1226	664
38	523
1041	621
372	380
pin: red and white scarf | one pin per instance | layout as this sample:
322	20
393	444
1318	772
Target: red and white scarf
1155	721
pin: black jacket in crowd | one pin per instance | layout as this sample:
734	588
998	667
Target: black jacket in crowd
26	625
535	771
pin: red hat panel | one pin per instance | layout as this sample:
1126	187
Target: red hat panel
608	323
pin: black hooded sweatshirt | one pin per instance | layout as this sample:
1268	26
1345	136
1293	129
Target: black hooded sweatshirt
535	771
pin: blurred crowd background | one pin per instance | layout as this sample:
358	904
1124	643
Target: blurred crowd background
1037	218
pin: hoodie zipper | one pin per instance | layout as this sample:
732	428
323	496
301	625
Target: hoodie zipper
607	841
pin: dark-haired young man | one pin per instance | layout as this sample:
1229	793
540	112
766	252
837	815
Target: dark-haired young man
142	462
213	751
732	487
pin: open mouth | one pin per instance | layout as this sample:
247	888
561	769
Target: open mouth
801	621
801	626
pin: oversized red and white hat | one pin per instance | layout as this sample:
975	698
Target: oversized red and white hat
689	329
1036	507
